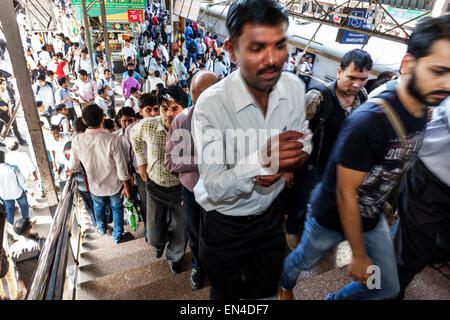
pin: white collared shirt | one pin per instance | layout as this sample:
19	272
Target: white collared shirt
226	185
103	158
12	182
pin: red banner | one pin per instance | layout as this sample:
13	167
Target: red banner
135	15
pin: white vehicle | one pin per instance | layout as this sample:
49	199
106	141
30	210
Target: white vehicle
327	53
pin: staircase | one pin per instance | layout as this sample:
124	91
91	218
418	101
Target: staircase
130	271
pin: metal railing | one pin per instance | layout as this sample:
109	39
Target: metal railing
50	278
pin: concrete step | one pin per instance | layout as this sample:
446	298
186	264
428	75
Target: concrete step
91	234
430	284
126	280
101	241
118	264
318	286
113	251
337	257
175	287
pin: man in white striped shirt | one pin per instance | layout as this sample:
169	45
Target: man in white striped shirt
242	243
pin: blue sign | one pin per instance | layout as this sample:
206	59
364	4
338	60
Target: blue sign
351	37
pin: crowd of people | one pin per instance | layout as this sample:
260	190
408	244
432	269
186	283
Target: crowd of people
331	169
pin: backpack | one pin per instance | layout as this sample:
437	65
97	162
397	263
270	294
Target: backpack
192	47
49	83
325	109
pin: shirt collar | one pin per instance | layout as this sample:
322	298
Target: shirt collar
161	126
98	130
243	98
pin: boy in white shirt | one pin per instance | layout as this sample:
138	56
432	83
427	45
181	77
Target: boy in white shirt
133	100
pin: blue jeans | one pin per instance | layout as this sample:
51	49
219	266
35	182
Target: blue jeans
88	204
317	240
11	206
117	212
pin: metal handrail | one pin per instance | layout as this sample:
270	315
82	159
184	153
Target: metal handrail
48	279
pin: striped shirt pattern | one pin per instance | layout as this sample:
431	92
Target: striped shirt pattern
149	143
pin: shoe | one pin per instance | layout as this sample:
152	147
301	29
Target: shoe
23	142
175	267
2	144
102	232
196	279
292	241
117	241
158	253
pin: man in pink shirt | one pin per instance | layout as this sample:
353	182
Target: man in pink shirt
86	88
188	171
104	161
129	83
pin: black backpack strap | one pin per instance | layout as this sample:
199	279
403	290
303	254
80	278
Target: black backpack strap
323	112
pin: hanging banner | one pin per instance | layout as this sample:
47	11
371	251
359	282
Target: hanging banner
135	15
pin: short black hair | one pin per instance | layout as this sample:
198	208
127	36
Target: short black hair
257	12
133	90
359	57
82	72
101	91
147	100
50	73
54	127
59	107
79	125
130	73
41	77
106	70
173	93
108	124
22	226
61	81
92	115
126	111
85	50
426	33
157	73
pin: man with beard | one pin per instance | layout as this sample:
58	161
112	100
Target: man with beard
235	121
327	106
422	234
366	163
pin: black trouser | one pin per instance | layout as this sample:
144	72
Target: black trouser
424	211
163	210
242	256
5	117
192	212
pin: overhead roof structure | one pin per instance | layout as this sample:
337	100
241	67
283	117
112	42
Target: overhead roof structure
388	19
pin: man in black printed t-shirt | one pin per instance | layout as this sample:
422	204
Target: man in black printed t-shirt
365	165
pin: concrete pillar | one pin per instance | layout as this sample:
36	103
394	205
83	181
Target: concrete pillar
19	65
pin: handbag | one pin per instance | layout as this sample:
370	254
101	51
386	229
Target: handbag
390	204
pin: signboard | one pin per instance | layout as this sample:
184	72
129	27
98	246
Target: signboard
135	15
351	37
114	4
